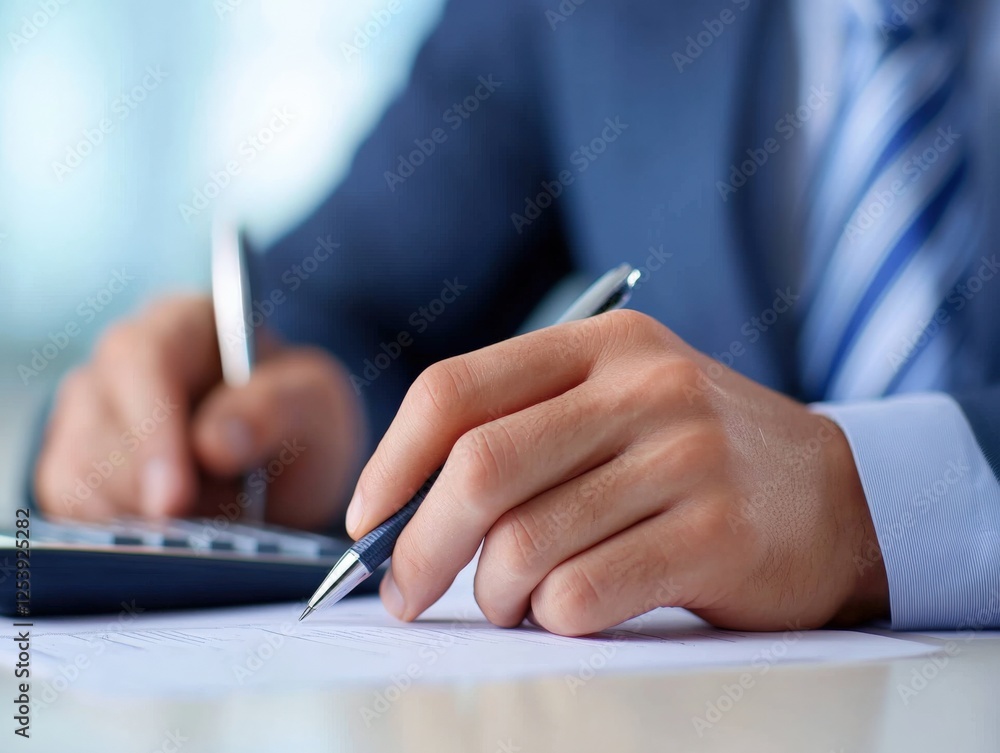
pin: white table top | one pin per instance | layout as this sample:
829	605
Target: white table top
798	709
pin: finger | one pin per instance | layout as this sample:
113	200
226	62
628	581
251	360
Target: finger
534	538
627	575
152	368
496	467
74	442
665	560
458	394
295	425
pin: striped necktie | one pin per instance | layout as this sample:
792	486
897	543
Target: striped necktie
889	229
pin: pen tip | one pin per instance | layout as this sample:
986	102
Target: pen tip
309	611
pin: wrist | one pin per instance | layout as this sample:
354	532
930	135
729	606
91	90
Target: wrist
865	589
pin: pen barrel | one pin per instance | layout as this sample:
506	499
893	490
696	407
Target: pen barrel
376	547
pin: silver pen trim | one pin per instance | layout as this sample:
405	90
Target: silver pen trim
611	291
340	581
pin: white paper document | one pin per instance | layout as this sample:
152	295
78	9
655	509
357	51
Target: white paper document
357	643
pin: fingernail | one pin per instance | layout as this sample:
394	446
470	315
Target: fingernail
157	479
236	436
391	596
355	513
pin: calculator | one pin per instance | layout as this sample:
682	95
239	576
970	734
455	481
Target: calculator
72	568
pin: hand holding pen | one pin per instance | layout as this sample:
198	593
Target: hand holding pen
606	468
610	292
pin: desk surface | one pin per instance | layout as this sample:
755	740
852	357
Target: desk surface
870	708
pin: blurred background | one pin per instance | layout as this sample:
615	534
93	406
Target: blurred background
120	123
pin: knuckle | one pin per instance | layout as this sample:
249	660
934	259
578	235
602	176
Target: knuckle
714	523
518	543
171	311
118	343
483	457
683	372
571	594
711	443
596	490
411	565
707	527
679	382
694	454
439	391
628	320
161	309
378	475
176	324
682	375
631	327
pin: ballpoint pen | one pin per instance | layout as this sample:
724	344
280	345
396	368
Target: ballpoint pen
611	291
233	303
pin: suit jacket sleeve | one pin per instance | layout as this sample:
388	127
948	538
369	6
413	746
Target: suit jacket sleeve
929	468
415	257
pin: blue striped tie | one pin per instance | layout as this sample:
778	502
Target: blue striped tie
890	226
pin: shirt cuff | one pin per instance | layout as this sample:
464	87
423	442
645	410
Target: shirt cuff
935	503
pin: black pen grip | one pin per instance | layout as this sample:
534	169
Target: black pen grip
376	547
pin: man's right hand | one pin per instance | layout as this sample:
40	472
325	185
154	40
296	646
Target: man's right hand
148	428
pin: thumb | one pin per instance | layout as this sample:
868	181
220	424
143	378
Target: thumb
297	423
